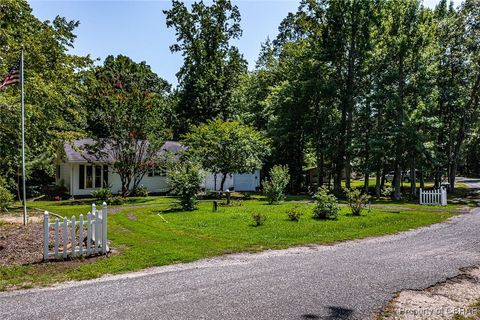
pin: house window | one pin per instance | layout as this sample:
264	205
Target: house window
98	176
157	172
105	176
58	172
81	177
90	176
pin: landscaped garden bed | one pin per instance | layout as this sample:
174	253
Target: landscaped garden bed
146	232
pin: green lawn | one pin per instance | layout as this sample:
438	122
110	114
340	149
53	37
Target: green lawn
145	236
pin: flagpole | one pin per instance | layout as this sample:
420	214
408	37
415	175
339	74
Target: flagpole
24	200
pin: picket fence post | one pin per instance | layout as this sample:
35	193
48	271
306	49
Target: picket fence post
104	227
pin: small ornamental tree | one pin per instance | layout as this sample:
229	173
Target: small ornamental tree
274	188
227	147
357	201
127	105
184	177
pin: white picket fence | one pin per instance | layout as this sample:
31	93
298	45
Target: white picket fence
83	237
434	197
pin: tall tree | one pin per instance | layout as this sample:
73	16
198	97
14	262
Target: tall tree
53	88
212	66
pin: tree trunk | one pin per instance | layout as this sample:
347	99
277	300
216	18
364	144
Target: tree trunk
413	179
378	188
382	183
397	182
422	180
223	181
397	193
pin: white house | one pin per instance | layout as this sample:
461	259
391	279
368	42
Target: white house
81	173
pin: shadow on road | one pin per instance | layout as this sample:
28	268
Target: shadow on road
335	313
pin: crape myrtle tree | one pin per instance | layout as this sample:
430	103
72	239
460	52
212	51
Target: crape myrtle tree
212	66
227	147
53	90
128	106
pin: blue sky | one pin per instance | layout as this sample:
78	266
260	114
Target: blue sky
137	28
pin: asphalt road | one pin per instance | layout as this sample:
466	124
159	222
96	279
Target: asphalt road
351	280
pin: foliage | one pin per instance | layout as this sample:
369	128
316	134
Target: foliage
102	193
326	205
357	200
140	191
387	191
184	177
274	187
258	218
6	197
116	201
127	108
212	66
294	214
53	89
227	147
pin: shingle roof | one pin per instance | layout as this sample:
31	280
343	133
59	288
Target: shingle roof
77	151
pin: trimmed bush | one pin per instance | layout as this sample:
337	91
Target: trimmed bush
116	201
140	192
274	188
357	201
294	214
102	193
327	205
258	219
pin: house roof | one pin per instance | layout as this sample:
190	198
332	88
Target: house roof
77	151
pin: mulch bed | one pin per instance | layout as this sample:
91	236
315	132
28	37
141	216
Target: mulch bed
20	244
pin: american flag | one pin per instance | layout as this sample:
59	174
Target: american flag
13	76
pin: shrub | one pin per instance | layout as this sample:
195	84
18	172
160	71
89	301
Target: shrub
327	205
102	193
258	218
140	192
357	201
116	201
294	214
6	197
185	178
274	188
387	191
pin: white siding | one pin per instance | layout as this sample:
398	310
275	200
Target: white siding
214	181
157	184
153	184
237	181
246	181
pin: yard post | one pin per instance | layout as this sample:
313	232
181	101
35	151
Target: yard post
444	196
421	196
45	236
104	227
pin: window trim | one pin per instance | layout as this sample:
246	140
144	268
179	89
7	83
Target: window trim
93	167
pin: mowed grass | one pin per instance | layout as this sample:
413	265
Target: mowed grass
146	236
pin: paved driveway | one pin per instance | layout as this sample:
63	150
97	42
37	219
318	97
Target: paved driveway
351	280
